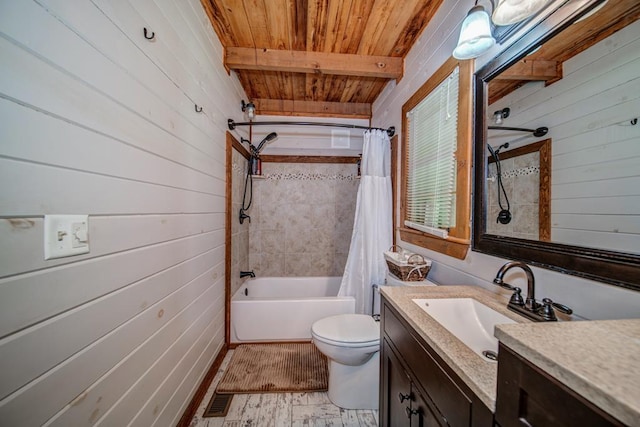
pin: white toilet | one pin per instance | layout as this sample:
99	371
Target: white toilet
351	342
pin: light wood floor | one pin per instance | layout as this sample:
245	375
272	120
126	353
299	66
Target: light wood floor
281	409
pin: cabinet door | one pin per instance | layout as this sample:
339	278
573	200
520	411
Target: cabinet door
529	396
396	390
421	413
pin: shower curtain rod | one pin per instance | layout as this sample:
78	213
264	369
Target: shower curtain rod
232	125
541	131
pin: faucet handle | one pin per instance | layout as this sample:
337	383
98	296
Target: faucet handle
516	298
561	307
546	311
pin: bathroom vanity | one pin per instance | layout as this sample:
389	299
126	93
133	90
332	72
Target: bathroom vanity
554	373
569	373
417	386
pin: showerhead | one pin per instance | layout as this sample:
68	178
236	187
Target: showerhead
266	140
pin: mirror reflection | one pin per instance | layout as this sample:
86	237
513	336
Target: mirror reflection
579	184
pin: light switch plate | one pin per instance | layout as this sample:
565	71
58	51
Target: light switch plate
65	235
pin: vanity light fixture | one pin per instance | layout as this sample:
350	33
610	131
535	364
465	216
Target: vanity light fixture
249	109
475	35
508	12
500	115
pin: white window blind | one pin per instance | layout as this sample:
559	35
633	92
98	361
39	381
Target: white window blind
431	181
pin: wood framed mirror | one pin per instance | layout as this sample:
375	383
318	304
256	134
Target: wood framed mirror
576	72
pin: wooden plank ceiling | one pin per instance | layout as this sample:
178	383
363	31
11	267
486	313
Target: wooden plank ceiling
332	58
317	57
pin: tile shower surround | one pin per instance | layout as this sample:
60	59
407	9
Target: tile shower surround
302	218
521	179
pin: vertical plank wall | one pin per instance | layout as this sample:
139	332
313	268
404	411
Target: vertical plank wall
98	120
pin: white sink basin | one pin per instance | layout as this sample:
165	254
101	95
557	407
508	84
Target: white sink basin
469	320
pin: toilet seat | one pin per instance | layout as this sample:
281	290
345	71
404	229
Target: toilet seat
347	330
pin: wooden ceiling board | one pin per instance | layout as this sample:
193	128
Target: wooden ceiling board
393	27
298	17
357	22
239	34
258	24
367	28
416	25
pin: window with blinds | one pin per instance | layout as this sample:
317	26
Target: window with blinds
432	129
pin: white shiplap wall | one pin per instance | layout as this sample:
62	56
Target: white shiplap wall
589	299
98	120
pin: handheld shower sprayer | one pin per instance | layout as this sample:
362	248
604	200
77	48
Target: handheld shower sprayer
254	165
266	140
504	217
255	151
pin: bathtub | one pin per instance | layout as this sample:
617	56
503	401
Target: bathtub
284	308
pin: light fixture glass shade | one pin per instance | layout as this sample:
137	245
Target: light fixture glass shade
475	35
509	12
251	111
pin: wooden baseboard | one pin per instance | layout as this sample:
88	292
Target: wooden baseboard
189	413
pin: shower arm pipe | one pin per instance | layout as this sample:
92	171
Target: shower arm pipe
541	131
232	125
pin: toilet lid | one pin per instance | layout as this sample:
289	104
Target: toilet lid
347	328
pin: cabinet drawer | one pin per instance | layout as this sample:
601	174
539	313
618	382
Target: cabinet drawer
440	388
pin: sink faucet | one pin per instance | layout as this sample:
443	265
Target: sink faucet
530	302
530	308
247	273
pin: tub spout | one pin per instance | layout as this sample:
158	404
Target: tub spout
247	273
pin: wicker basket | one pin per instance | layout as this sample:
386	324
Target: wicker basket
407	267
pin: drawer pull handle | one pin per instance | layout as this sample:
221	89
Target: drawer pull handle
403	397
410	412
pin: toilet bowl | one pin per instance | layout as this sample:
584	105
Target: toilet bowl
351	342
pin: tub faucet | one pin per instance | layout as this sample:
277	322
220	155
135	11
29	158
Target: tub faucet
529	308
247	273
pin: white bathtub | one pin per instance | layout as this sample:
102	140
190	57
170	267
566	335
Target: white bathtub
284	308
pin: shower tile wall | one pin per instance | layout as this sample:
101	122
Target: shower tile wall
239	232
521	179
302	219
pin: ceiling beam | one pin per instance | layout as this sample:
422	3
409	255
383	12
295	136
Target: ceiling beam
532	69
279	107
295	61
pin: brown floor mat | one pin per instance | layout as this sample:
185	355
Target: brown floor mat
270	368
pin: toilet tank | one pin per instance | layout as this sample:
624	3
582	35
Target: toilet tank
394	281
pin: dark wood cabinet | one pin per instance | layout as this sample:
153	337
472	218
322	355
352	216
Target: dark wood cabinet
403	399
527	396
417	387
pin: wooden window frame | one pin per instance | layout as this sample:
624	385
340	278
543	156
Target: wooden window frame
459	239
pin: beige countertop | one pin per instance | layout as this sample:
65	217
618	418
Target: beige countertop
479	374
598	359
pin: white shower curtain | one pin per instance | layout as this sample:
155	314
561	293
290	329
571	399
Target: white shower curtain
372	227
